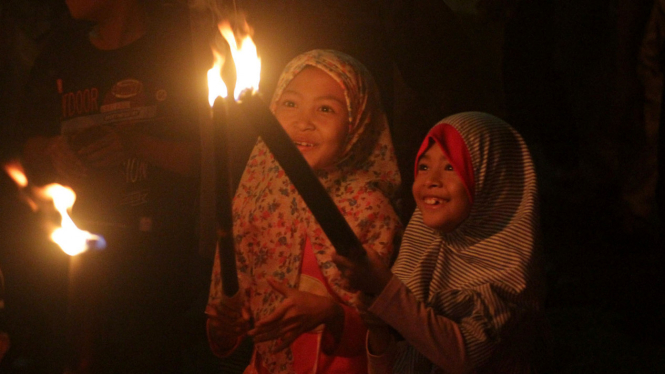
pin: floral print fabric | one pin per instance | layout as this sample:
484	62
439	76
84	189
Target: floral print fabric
272	222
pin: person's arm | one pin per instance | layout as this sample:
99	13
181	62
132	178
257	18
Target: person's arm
436	337
44	156
177	157
111	149
381	349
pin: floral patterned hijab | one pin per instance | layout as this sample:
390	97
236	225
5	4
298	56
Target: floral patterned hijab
271	221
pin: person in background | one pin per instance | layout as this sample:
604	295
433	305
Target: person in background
110	112
303	321
465	292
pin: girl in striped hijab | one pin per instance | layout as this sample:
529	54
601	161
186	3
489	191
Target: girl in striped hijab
304	321
464	294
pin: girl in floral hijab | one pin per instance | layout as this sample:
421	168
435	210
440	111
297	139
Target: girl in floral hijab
304	321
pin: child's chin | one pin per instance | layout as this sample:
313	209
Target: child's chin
437	225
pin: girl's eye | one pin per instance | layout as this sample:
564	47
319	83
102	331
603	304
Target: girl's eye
422	167
449	167
327	109
288	103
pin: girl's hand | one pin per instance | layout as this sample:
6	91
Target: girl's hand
299	313
379	339
227	322
368	274
64	160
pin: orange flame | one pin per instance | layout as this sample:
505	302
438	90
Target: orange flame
70	238
246	59
216	86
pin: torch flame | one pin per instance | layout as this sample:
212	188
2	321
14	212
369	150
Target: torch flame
70	238
216	86
245	57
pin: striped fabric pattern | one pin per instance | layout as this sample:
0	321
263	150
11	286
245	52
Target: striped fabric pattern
484	275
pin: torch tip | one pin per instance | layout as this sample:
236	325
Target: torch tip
97	243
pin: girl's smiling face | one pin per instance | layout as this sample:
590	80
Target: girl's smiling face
439	192
313	111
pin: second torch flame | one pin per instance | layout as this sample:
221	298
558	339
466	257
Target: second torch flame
70	238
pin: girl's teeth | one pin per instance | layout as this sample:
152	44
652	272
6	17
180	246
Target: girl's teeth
431	200
304	144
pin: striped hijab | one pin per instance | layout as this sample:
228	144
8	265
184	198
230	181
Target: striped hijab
272	222
483	275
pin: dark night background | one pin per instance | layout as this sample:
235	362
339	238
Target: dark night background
562	72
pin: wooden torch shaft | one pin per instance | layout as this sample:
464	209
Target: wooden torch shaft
224	192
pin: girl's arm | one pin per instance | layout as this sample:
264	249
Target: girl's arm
436	337
381	351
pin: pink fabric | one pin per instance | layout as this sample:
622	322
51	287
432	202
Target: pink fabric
305	347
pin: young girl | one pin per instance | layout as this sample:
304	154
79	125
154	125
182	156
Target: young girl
464	292
304	321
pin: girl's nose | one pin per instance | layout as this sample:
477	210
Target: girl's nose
434	179
303	122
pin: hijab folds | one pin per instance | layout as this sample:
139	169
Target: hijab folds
482	275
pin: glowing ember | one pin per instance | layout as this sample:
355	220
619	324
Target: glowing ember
70	238
15	171
246	59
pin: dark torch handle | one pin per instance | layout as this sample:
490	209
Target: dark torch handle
224	192
316	197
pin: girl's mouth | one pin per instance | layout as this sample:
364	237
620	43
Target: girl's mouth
304	146
433	201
